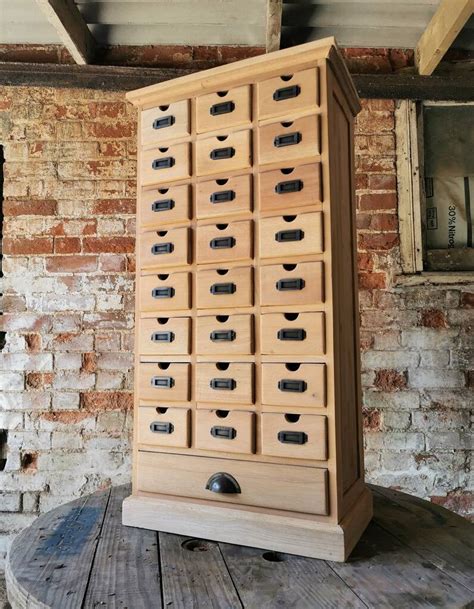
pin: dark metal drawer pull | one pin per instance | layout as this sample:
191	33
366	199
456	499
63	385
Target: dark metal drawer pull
289	139
163	205
292	437
223	384
162	292
222	153
223	196
222	108
286	93
223	483
157	427
166	382
291	334
285	285
163	337
222	243
224	433
290	186
284	236
161	123
292	386
223	336
165	163
162	248
223	288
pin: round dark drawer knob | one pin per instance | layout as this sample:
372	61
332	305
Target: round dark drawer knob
223	483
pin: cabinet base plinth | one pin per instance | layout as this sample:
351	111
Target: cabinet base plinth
269	531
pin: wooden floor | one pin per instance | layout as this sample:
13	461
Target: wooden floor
413	555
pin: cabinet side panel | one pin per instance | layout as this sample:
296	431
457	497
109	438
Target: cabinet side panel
346	309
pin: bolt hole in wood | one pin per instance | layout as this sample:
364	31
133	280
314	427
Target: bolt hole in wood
195	545
272	557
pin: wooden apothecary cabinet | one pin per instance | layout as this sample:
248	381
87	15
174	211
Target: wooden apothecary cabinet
247	400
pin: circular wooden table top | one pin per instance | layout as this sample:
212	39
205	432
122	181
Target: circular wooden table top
79	556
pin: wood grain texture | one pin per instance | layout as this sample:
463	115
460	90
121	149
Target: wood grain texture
164	336
224	242
240	375
177	373
309	291
312	428
240	277
178	240
242	423
276	240
238	330
306	140
180	155
238	113
179	420
152	214
178	117
241	201
312	376
308	192
313	333
240	144
179	297
306	95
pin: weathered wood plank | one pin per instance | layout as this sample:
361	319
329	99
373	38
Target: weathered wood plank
385	574
194	575
266	580
436	534
125	572
50	561
274	12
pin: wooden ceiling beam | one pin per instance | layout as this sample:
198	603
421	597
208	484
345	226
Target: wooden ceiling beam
441	32
68	22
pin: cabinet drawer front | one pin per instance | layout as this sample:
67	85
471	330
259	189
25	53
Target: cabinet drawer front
165	336
165	292
225	383
164	381
290	187
230	431
224	242
287	93
302	489
223	109
159	249
164	122
293	334
165	205
165	164
292	284
291	235
223	153
286	141
299	436
224	197
164	426
225	288
225	334
283	385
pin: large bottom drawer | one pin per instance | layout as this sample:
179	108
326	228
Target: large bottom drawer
281	487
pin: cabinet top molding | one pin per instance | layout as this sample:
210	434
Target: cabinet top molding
249	70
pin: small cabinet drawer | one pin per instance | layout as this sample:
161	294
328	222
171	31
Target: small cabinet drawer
223	109
165	336
293	384
290	187
165	122
298	436
223	153
224	242
287	93
159	249
287	141
166	426
292	284
224	196
293	334
230	431
165	292
273	486
220	288
224	382
164	381
162	206
291	235
165	164
221	334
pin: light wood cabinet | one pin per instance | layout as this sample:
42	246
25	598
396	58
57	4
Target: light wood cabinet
247	375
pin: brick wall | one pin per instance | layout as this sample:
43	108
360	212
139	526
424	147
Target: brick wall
66	374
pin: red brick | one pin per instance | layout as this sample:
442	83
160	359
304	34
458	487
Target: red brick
71	264
18	246
64	416
112	149
373	164
114	206
98	401
378	241
114	130
372	281
363	221
107	109
113	262
361	181
67	245
131	264
390	380
467	299
371	419
380	105
42	207
382	182
381	200
119	245
461	502
401	58
365	262
89	362
384	222
39	380
33	342
433	318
